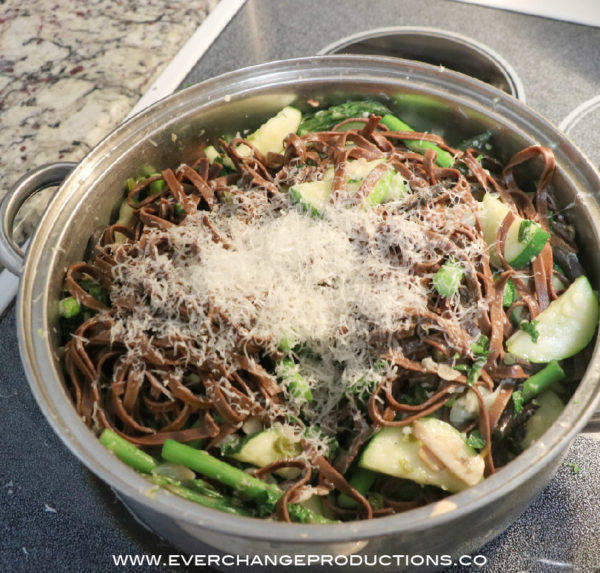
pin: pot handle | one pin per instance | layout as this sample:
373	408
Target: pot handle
51	174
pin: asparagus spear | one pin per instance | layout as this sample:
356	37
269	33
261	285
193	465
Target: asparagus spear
199	491
444	159
542	379
220	502
127	452
263	494
538	383
325	119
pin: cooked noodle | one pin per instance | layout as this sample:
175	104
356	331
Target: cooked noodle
161	359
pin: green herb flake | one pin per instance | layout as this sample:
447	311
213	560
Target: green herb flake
530	328
526	230
480	349
576	469
518	402
482	346
475	440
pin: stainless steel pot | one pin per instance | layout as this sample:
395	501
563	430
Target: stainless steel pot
164	135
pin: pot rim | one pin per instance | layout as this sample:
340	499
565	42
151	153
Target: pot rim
33	311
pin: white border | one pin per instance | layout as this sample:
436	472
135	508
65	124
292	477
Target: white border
166	83
585	12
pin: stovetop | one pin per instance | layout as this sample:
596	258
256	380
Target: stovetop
58	516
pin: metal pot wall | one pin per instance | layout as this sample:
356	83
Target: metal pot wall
427	97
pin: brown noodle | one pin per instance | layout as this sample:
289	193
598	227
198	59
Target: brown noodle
144	403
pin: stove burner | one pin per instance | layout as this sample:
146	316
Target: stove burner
437	47
582	126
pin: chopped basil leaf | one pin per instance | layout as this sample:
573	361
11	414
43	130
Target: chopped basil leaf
475	440
530	328
517	398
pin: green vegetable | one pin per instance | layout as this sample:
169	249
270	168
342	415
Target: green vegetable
94	289
221	503
230	445
444	159
448	278
69	307
325	119
263	494
479	141
524	239
550	407
214	156
395	451
268	138
147	170
481	346
541	380
361	480
509	295
530	328
314	196
376	500
203	487
390	187
265	447
297	385
517	398
285	344
526	228
564	328
536	384
475	440
157	186
480	349
131	183
127	452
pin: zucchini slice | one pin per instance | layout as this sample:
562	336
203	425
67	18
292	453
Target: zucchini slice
268	446
268	138
524	240
550	408
314	195
564	328
396	452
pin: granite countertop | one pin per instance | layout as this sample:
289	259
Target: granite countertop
71	72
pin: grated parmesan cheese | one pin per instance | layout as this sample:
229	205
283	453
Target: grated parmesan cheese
331	284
